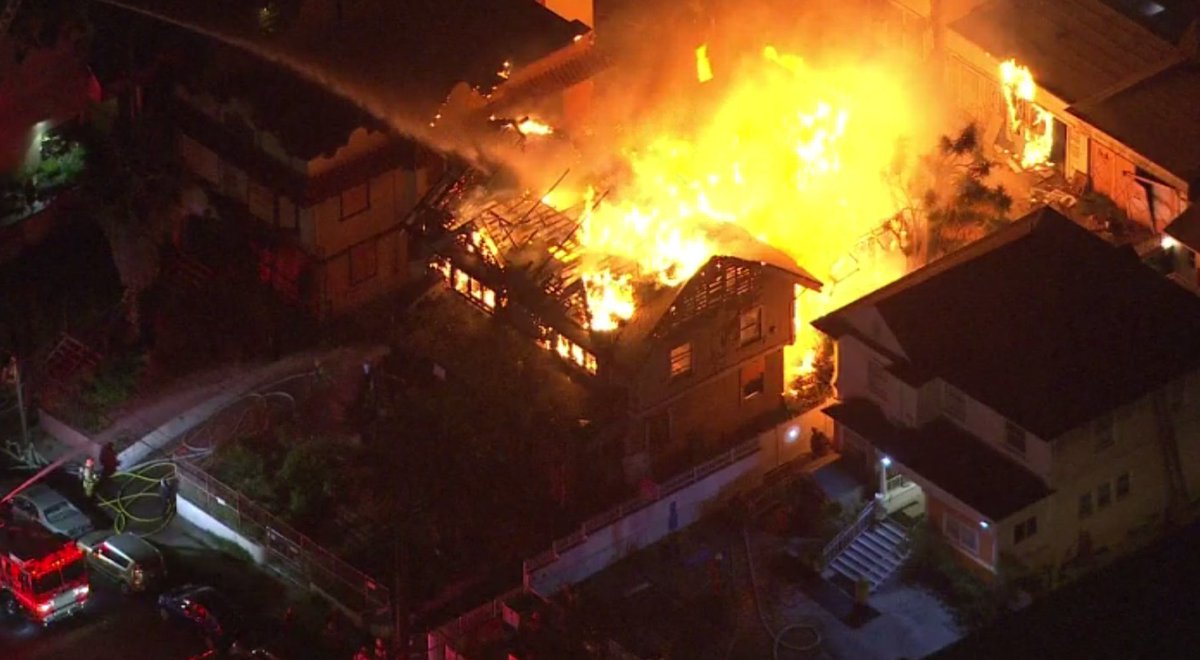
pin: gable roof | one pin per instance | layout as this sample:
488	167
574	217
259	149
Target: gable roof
1155	117
1043	322
1075	48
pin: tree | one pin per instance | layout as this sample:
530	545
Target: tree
960	205
135	188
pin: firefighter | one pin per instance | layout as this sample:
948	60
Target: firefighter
108	461
166	490
381	652
362	654
89	477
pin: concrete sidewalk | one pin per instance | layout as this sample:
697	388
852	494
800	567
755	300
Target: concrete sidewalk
156	424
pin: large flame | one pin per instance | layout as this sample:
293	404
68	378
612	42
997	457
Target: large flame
1035	128
704	71
796	155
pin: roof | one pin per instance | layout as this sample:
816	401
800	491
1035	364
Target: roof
1168	19
308	120
398	60
1155	117
1075	48
1186	228
1007	489
1043	322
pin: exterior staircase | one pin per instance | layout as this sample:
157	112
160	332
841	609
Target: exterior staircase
873	554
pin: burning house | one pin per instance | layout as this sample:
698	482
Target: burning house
689	363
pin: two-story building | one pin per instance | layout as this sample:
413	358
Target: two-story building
316	134
1035	391
696	364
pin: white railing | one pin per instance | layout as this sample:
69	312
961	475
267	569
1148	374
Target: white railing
672	485
845	537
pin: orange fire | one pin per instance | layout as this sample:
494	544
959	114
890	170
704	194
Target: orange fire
1033	123
794	154
531	126
704	71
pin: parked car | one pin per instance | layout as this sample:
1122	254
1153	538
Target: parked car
47	507
129	559
206	611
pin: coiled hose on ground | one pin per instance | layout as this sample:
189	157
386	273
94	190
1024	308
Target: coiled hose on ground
777	635
142	483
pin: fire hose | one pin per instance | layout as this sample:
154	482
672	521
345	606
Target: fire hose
141	483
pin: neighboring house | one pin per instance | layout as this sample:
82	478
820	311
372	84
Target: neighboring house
1183	247
1121	98
697	364
324	182
328	185
1037	392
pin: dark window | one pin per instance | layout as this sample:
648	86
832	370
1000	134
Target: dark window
1104	431
1122	485
752	387
1014	437
681	360
753	377
750	326
355	200
1025	529
1103	495
1085	505
364	261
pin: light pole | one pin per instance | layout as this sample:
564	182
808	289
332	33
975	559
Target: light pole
12	373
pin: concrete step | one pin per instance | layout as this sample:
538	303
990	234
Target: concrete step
882	539
892	532
850	571
881	552
864	564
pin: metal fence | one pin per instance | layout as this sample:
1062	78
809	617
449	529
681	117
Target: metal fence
288	552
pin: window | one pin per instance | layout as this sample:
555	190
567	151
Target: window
961	534
1014	437
355	200
1122	485
1104	431
954	404
753	378
681	360
750	326
877	379
1025	529
364	261
107	553
1103	495
1085	505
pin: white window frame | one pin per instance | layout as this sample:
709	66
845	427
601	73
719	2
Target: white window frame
961	532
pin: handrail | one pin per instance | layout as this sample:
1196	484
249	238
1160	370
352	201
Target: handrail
845	537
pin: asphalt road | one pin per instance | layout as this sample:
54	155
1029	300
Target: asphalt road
110	627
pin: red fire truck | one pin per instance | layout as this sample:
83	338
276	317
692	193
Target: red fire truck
42	575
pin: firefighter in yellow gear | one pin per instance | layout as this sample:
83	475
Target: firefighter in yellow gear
90	478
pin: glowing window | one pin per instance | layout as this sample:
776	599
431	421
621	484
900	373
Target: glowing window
462	282
489	298
563	346
681	360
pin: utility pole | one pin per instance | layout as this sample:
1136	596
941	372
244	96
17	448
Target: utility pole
12	372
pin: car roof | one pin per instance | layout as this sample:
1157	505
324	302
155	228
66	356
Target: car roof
42	496
134	546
